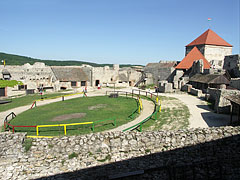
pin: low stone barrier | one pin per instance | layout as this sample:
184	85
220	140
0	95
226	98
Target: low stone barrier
103	155
196	92
187	88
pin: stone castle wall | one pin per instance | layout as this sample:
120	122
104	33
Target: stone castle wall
112	153
31	75
38	74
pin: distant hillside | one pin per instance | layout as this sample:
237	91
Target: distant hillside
12	59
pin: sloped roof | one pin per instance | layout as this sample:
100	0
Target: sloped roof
123	77
162	65
69	74
210	79
5	72
209	37
192	56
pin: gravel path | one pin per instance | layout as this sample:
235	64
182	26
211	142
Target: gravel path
201	115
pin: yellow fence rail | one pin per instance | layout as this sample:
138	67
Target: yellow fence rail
62	125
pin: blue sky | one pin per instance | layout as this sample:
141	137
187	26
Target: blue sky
113	31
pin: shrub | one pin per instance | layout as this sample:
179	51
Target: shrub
27	144
73	155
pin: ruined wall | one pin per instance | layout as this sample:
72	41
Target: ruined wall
104	75
232	65
235	82
119	76
32	75
119	152
221	104
160	71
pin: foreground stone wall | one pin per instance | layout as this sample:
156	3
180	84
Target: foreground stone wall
116	152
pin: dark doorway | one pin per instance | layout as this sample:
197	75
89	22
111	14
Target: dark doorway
97	82
2	92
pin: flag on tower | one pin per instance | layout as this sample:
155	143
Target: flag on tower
209	19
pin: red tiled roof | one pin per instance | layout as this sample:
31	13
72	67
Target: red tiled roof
209	37
192	56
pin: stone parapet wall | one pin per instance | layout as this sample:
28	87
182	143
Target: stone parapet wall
117	152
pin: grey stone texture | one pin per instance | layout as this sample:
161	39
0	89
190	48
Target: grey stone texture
196	92
187	88
100	155
235	83
232	65
165	87
221	104
160	71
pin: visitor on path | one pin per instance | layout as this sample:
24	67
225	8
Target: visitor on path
85	92
99	86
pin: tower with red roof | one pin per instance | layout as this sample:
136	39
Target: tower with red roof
212	47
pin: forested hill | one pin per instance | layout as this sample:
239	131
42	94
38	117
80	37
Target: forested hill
12	59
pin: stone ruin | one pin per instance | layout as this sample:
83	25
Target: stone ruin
55	78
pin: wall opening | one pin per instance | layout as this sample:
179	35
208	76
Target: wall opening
97	82
83	83
2	92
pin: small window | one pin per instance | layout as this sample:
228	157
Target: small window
73	83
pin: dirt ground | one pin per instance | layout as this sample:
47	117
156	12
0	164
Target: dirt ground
98	106
69	116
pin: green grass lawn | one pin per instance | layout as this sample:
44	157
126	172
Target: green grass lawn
95	108
24	100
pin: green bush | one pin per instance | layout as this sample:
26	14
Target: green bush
9	83
27	144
